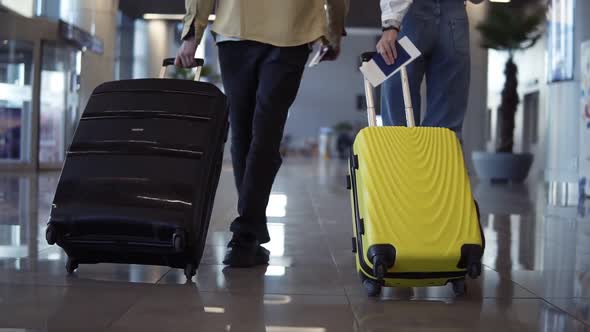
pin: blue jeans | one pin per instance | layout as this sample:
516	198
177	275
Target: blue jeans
440	30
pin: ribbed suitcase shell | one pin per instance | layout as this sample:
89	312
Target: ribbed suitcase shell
143	166
410	189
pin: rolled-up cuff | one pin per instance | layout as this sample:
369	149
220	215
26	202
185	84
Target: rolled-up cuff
193	29
247	226
334	39
190	33
188	22
390	22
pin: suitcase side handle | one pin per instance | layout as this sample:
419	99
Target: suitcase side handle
199	63
372	116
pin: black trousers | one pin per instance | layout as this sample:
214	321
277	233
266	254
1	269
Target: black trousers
261	82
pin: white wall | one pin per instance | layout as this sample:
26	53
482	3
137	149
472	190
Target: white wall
475	119
100	19
154	40
23	7
328	91
563	112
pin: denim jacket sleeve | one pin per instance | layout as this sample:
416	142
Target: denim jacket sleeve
337	12
197	17
393	12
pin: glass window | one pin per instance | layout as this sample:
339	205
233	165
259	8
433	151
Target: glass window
16	72
560	50
59	97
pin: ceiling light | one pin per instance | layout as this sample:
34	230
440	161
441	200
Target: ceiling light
169	17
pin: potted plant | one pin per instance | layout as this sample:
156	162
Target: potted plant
510	27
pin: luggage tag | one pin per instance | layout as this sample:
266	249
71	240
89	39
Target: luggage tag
378	71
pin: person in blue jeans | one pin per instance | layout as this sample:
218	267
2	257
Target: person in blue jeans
440	30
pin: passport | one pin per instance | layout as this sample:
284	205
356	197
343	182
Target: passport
377	71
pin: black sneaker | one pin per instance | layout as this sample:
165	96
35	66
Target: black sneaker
245	252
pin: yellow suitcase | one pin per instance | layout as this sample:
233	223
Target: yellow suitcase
414	217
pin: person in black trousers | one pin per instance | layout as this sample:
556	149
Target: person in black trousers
261	82
263	49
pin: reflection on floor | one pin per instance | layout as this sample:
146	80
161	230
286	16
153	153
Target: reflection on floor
537	275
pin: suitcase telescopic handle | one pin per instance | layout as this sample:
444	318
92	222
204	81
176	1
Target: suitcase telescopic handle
170	62
372	116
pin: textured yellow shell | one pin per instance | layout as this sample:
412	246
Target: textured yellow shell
414	193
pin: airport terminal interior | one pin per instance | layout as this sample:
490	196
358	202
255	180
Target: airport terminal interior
533	199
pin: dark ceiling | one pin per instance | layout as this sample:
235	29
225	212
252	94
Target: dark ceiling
363	13
136	8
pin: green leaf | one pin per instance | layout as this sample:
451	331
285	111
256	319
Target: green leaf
513	26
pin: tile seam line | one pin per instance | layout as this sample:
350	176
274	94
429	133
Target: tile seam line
315	206
500	275
354	315
542	298
139	298
162	277
226	291
565	312
117	318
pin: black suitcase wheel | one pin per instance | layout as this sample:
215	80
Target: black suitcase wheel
71	265
189	271
178	241
474	270
459	287
51	235
379	270
372	287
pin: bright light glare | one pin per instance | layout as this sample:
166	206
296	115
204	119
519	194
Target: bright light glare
287	329
214	310
275	299
294	329
276	246
277	205
275	271
54	256
169	17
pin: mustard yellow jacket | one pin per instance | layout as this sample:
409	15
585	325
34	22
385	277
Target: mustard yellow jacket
277	22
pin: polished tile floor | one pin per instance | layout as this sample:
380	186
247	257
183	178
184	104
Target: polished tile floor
536	278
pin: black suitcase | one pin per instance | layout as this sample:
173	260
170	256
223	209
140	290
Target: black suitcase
140	176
